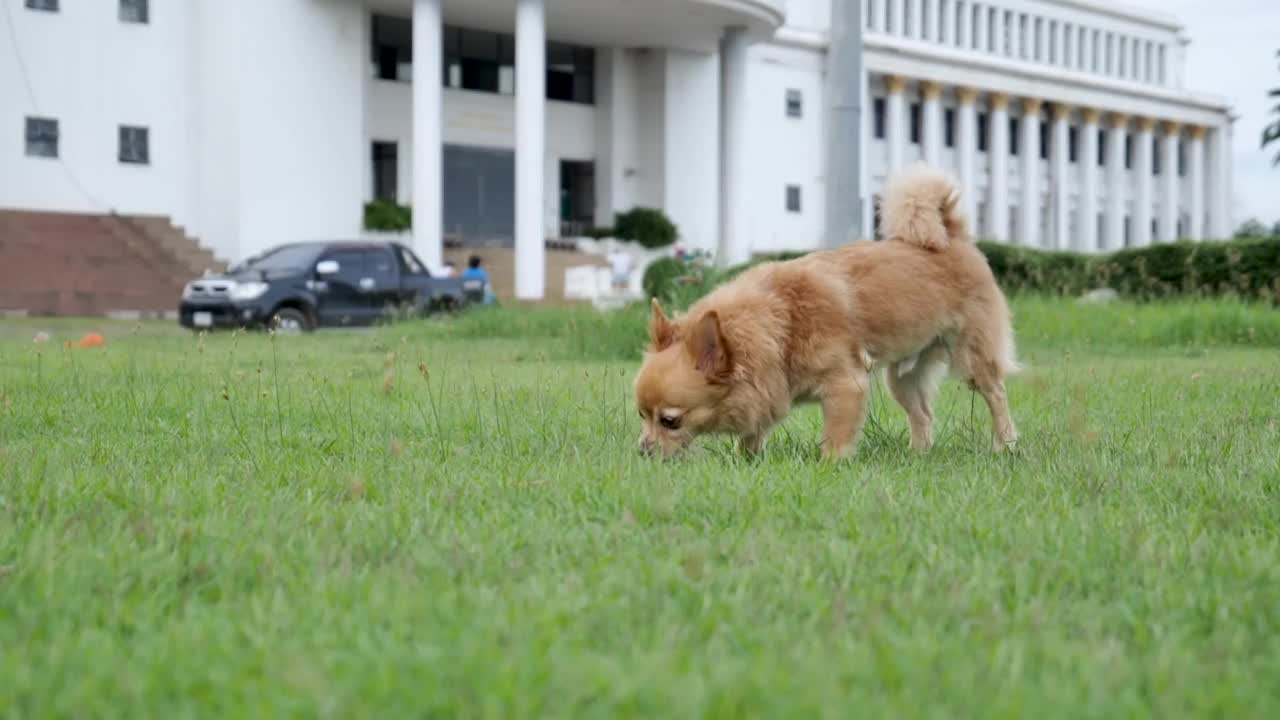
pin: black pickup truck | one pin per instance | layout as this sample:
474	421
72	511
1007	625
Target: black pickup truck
303	286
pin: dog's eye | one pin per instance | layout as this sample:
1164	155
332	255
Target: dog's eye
669	422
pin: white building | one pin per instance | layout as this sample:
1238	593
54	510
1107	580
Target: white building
253	122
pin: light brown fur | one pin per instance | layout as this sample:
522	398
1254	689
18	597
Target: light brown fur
817	328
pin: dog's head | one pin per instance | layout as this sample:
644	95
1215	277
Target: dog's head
684	380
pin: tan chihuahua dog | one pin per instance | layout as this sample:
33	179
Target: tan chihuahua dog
815	328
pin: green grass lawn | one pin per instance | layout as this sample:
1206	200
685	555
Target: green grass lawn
450	519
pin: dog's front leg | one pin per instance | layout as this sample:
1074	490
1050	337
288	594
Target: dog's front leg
750	445
844	410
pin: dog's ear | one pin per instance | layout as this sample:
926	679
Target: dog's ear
662	332
710	352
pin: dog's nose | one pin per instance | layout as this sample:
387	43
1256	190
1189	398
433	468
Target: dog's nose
646	446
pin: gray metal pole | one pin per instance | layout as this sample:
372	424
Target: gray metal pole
844	126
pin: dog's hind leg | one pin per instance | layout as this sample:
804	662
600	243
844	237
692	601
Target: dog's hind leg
915	386
844	410
981	361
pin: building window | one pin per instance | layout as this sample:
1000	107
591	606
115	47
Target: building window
1155	156
1073	143
875	217
42	137
1102	148
1182	158
878	113
392	48
949	127
795	104
45	5
486	62
1013	135
793	198
1128	152
571	72
1044	138
982	132
386	171
135	11
134	146
915	123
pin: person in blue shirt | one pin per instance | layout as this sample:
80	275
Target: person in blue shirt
475	272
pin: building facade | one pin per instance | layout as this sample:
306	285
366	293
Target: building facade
252	124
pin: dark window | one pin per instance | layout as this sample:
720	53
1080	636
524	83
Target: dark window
46	5
1044	138
1128	152
392	48
982	132
793	198
878	113
1073	143
386	163
485	61
570	73
795	104
949	127
875	217
1102	148
42	137
915	123
135	11
1182	158
134	145
350	266
380	265
409	262
1013	135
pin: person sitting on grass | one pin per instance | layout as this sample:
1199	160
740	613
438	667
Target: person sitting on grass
475	272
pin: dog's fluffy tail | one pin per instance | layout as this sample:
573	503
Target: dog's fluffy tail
922	208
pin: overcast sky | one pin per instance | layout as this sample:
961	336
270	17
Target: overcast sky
1233	54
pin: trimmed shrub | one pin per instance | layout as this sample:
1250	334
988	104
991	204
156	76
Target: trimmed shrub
651	228
597	233
386	216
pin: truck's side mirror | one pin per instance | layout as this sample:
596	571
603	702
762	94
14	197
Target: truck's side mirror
327	267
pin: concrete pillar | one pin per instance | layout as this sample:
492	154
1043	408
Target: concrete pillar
1060	162
428	138
966	151
980	41
1116	184
1142	166
735	243
1087	234
897	17
947	15
931	93
1169	182
998	151
896	121
1042	38
1086	50
916	23
531	105
1015	34
1060	45
1029	203
879	22
964	26
1195	179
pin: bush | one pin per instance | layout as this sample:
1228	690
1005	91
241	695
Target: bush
651	228
386	216
598	233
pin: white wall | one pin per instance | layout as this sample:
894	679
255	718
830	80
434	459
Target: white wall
94	73
785	150
691	165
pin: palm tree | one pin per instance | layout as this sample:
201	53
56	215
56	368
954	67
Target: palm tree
1271	133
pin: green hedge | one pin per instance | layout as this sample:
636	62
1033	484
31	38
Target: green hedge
1247	269
386	216
647	226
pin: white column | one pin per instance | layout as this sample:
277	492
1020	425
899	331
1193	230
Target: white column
1059	158
1087	235
1220	184
966	152
1195	179
531	105
1169	182
1015	34
964	25
897	17
1114	239
1060	56
916	24
895	121
1042	38
1086	50
947	11
735	243
998	151
931	94
980	29
1140	69
428	147
1142	197
1113	54
1029	204
879	22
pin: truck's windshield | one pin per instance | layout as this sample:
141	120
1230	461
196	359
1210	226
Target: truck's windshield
289	257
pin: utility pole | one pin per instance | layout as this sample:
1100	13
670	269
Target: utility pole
844	124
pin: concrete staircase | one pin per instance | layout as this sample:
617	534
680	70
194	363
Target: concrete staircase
81	264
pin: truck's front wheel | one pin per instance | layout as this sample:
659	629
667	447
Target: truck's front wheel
290	320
